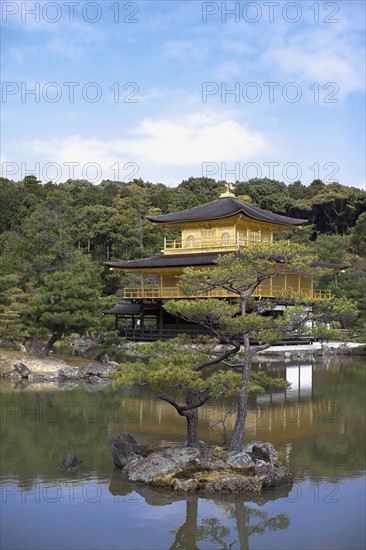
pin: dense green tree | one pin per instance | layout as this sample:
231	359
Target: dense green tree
297	190
266	193
68	301
10	202
332	208
351	284
195	191
358	236
332	248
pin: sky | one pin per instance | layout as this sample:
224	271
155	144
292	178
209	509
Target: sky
166	90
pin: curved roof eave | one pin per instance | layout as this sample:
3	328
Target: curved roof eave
193	259
223	208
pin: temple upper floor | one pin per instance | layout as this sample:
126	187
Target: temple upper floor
223	225
217	237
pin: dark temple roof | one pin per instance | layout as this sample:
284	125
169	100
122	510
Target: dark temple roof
223	208
123	308
187	260
168	260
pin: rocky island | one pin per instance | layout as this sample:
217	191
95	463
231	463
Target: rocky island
206	469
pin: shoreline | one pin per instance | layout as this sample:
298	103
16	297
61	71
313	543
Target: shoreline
44	371
308	351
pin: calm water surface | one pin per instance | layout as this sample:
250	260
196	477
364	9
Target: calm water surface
319	424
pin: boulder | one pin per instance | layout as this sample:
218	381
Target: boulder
235	458
123	446
70	463
95	369
83	344
68	373
185	485
263	468
22	369
163	463
114	365
261	450
276	477
234	484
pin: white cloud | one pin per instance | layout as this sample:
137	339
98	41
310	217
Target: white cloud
161	146
305	52
322	59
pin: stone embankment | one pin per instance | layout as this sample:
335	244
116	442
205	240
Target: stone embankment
30	370
309	351
206	469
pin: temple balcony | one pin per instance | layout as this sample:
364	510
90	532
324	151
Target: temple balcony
263	291
193	245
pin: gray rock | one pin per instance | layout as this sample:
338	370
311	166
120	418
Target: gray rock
234	484
83	344
163	463
68	373
22	369
185	485
70	462
239	459
276	477
123	446
114	365
93	369
262	451
263	468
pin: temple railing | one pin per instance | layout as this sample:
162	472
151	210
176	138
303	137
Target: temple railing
262	292
218	245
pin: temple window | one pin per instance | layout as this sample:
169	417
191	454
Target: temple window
254	236
225	239
207	234
191	241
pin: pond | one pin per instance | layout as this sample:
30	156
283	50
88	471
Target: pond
319	425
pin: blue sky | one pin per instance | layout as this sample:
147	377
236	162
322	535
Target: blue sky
142	89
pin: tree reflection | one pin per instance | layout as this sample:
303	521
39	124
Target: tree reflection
213	529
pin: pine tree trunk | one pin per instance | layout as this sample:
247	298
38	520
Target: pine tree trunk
192	421
34	345
55	336
192	428
237	437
